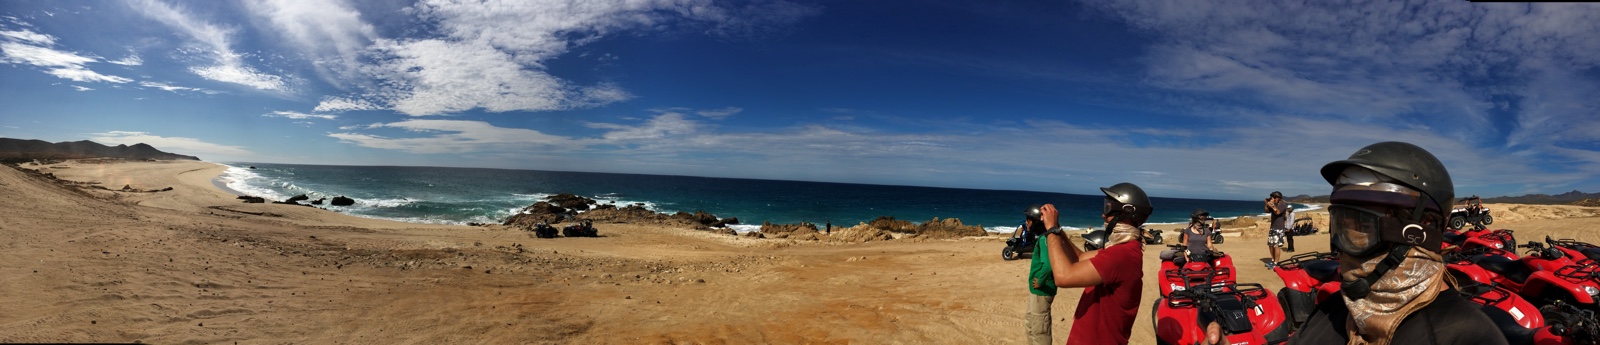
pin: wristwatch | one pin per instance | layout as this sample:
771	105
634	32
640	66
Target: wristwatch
1056	230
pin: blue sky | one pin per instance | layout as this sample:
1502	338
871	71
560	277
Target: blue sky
1211	99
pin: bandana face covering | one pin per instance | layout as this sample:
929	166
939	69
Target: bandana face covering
1122	232
1404	290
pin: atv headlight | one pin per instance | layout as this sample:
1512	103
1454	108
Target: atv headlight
1593	292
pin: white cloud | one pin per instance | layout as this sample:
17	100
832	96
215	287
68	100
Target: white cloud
169	87
131	60
179	145
225	65
29	36
662	126
341	104
65	65
329	31
452	136
80	88
41	56
720	113
299	116
491	55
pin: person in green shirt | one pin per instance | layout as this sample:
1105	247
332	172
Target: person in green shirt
1041	280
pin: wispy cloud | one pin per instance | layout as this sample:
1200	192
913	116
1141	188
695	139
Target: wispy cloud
492	55
29	36
720	113
180	145
131	60
299	116
341	104
451	136
225	65
331	32
62	64
170	87
81	88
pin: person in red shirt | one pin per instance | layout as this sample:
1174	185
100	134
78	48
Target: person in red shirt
1111	278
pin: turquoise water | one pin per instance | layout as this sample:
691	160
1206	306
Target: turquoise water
472	195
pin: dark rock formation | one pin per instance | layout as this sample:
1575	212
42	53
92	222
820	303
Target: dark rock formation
539	212
342	201
799	230
569	201
318	201
252	199
297	199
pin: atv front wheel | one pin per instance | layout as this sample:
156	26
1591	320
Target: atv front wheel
1488	219
1457	222
1008	254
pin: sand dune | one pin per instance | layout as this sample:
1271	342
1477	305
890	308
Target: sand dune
193	265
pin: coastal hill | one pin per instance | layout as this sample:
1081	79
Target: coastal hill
24	150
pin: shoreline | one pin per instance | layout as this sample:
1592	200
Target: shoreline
195	265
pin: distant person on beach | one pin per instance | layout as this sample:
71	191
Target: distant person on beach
1388	208
1288	236
830	227
1041	280
1197	236
1112	278
1277	230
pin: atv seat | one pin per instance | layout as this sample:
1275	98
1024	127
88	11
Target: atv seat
1515	333
1322	270
1504	266
1592	253
1453	238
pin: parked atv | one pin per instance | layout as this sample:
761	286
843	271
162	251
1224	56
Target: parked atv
543	230
1021	242
1151	237
1308	279
1248	314
1543	276
1479	237
584	229
1470	211
1178	271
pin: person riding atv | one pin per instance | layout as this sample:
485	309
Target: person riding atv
1470	210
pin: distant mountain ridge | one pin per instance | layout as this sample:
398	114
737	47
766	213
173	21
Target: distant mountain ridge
1568	198
12	149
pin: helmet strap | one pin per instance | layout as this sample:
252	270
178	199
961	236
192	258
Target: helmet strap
1359	288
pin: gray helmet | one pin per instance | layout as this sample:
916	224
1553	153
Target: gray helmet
1125	195
1409	164
1033	212
1276	194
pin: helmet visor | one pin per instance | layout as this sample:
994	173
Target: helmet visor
1355	230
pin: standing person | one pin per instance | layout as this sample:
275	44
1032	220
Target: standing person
1112	278
1041	280
1276	231
1197	236
830	226
1389	202
1288	238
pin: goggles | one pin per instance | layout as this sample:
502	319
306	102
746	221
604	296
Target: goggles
1360	232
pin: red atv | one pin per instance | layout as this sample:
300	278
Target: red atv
1474	238
1247	313
1179	271
1574	249
1308	279
1544	276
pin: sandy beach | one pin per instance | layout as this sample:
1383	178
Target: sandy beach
193	265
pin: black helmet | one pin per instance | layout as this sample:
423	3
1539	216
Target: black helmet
1128	197
1033	213
1276	194
1199	213
1408	164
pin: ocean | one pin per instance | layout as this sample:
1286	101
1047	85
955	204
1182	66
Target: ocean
474	195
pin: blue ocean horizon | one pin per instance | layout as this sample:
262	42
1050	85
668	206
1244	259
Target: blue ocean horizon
445	195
